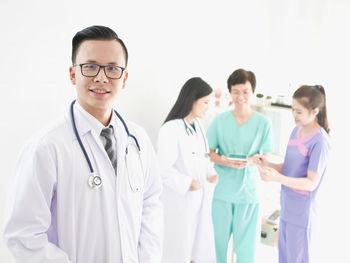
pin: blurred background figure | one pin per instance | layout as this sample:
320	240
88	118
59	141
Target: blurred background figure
189	178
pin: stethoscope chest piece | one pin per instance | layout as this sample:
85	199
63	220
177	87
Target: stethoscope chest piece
94	181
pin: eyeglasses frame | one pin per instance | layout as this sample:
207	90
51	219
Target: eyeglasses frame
99	68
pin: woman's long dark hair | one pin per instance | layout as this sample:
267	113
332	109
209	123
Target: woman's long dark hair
312	97
192	90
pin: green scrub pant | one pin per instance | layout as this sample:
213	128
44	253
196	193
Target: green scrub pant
241	220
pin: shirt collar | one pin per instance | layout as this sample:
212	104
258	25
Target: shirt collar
95	125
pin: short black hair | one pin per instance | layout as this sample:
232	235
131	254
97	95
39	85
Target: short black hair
241	76
192	90
96	33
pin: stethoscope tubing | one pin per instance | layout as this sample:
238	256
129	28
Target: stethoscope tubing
79	139
188	129
81	144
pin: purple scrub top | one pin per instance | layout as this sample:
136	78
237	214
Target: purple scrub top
309	153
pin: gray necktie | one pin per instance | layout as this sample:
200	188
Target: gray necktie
110	146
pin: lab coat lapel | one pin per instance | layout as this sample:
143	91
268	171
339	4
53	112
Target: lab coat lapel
121	141
91	141
80	123
202	147
195	145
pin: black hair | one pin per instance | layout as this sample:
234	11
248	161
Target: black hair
192	90
312	97
96	33
241	76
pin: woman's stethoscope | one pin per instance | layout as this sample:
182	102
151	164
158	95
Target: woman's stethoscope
95	181
190	133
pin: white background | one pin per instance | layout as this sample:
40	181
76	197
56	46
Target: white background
286	43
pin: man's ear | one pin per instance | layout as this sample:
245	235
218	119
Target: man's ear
126	74
72	75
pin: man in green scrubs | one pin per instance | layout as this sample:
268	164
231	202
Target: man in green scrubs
241	131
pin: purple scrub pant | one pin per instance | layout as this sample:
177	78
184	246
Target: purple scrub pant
293	243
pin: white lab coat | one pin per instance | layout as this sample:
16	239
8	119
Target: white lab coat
54	216
188	229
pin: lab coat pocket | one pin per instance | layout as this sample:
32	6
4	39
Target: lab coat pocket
193	198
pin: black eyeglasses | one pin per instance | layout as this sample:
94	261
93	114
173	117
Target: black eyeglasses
92	70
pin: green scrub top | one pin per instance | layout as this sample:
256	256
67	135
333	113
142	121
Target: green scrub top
227	137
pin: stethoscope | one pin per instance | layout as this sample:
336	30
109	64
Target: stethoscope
94	180
190	133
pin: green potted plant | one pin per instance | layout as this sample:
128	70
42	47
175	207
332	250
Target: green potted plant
268	100
260	99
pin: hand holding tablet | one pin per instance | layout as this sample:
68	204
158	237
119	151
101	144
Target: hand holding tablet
237	157
238	161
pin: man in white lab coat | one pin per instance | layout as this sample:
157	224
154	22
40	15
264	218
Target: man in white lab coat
79	196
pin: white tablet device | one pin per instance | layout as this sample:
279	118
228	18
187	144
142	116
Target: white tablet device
238	157
274	217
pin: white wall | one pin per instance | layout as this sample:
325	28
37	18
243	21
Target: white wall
281	41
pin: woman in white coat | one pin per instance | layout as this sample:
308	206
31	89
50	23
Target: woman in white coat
188	178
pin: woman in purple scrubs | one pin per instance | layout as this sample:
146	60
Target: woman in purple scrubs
301	173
